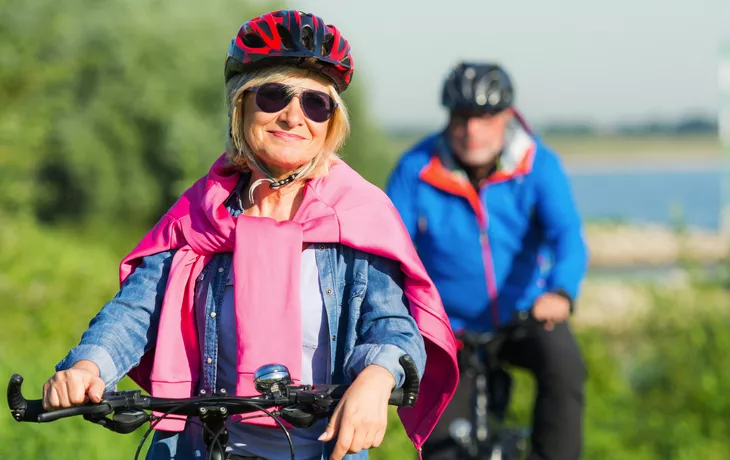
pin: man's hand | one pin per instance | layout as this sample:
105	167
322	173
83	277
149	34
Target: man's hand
551	308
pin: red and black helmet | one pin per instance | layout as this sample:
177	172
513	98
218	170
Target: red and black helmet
290	37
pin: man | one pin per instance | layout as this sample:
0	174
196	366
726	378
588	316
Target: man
491	212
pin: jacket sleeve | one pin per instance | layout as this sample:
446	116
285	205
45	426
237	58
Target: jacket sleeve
562	225
401	189
386	330
126	327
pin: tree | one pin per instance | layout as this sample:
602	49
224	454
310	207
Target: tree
111	108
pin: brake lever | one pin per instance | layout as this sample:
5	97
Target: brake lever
300	416
122	422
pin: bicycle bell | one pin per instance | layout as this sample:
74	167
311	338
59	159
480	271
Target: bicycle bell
269	378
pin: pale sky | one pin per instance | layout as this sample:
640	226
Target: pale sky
572	60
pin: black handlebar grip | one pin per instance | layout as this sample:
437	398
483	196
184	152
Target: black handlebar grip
396	397
22	409
408	394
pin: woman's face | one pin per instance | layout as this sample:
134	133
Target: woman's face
286	139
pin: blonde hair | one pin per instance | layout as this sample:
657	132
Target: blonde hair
238	151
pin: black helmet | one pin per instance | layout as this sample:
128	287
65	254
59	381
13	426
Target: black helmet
479	87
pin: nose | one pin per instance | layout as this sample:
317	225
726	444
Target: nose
292	115
472	126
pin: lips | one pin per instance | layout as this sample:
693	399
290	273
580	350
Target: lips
286	136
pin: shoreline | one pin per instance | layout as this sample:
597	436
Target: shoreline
630	246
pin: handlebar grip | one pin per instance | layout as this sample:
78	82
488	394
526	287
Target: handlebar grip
396	397
23	410
408	394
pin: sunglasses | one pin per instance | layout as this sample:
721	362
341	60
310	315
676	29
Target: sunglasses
318	106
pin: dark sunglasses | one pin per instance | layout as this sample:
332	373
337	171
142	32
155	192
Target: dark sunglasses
318	106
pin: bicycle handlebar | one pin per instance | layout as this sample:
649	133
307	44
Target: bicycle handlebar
298	403
476	340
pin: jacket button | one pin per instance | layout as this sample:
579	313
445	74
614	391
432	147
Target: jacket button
329	291
334	337
209	360
321	247
212	314
220	270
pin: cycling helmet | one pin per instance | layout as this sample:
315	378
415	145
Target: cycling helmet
481	87
291	38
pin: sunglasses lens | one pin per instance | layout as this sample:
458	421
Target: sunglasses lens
317	106
272	97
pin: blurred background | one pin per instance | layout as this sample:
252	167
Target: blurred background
110	109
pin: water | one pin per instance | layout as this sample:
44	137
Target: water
666	194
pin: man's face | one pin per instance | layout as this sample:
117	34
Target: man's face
477	138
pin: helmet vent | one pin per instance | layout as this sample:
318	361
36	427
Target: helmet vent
308	37
286	39
253	41
329	40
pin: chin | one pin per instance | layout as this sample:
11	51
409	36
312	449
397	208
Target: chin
478	158
286	161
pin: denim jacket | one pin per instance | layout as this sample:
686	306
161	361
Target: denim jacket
363	296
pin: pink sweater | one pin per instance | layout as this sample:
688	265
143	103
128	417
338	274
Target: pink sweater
341	208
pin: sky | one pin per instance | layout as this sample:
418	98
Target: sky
570	60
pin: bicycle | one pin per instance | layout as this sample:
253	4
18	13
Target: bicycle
485	436
299	405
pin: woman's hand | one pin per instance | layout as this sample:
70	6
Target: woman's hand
74	386
360	419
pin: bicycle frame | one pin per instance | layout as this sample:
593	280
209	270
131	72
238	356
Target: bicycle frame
485	436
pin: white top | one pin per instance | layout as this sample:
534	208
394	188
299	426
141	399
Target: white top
271	443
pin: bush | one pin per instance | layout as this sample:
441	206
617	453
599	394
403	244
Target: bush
51	285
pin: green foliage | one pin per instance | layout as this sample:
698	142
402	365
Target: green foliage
111	108
51	285
656	390
367	149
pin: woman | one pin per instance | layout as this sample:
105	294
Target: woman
281	253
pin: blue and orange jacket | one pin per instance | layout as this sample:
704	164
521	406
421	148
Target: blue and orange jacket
497	250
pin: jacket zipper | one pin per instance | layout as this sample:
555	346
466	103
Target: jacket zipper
488	261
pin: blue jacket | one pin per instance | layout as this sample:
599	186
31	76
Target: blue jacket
497	250
368	305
